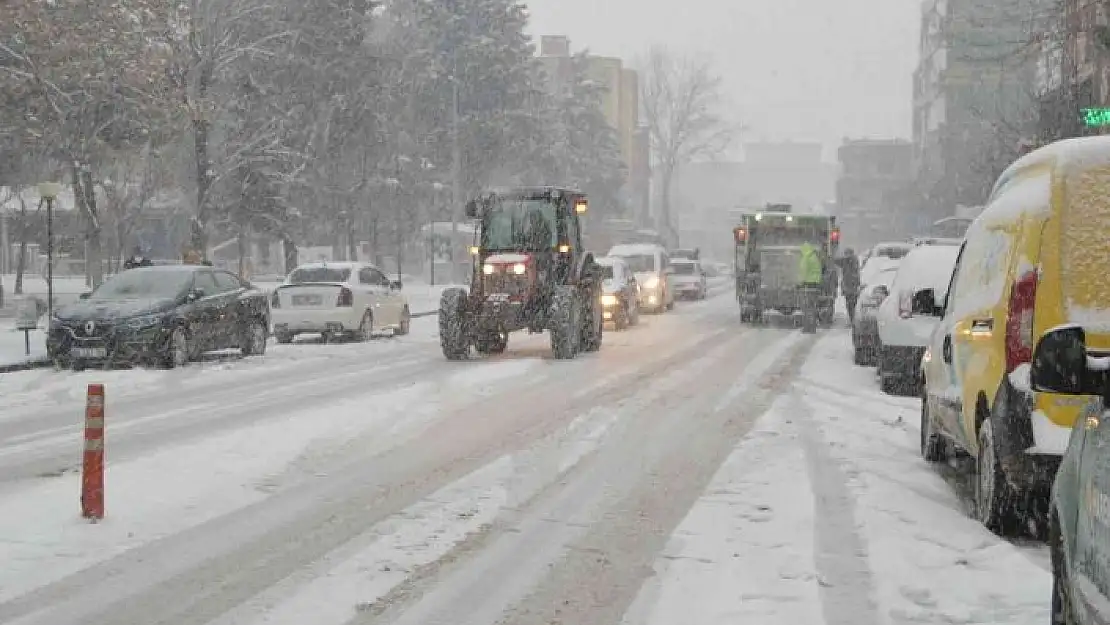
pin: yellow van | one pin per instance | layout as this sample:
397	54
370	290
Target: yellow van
1036	258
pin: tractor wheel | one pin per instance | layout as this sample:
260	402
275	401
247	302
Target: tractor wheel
592	323
565	330
453	337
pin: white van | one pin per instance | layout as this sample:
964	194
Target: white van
652	267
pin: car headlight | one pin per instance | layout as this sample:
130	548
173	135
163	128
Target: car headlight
487	269
519	269
608	300
144	321
651	282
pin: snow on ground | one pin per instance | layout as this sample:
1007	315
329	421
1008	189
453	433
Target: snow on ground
744	553
42	539
929	561
826	513
13	349
46	388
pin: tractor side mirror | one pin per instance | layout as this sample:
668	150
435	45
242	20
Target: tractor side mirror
1060	364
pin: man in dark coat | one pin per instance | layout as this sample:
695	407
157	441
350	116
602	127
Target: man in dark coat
849	281
137	259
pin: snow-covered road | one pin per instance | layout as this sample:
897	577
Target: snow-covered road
694	471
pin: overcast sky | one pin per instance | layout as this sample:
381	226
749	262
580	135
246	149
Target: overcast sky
801	70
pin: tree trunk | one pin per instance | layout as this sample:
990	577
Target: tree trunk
666	227
242	244
289	251
21	260
198	235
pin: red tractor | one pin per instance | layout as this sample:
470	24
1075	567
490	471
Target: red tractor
531	273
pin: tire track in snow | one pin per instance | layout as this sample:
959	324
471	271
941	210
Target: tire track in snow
847	590
218	565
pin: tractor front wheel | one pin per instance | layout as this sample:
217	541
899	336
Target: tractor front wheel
453	337
565	328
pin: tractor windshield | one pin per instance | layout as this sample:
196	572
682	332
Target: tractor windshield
520	225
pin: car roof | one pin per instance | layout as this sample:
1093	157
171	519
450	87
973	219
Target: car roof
928	265
609	260
636	248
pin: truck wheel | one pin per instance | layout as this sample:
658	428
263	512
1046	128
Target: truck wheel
592	323
453	339
565	328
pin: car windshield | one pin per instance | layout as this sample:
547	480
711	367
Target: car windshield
523	225
140	284
639	263
683	269
607	272
894	252
303	275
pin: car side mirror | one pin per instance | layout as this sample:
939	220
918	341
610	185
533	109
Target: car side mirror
193	295
1060	364
85	295
472	209
395	285
924	303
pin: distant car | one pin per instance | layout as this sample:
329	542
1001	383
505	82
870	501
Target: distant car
338	299
882	256
651	265
168	314
620	299
688	279
936	241
904	333
865	327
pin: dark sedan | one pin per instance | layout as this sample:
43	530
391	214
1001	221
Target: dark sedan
168	315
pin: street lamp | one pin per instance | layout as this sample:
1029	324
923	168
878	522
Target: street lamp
49	191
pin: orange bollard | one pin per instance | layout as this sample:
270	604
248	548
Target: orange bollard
92	469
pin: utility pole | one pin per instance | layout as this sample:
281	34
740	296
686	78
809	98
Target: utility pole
456	171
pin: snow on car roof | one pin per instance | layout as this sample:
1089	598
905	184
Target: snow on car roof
609	260
928	267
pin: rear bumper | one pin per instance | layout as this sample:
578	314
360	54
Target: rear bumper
310	320
901	361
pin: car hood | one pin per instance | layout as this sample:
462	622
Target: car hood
107	310
644	276
609	285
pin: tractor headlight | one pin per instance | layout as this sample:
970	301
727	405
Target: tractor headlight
519	269
487	269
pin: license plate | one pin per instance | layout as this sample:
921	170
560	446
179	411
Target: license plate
90	352
306	300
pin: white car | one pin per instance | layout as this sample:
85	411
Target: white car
903	334
688	279
652	268
341	298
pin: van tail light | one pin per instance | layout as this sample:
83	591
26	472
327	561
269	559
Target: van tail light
275	300
1019	321
346	298
905	304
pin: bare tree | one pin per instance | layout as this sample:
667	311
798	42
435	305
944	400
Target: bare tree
682	101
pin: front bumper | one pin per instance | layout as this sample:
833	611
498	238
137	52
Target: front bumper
108	343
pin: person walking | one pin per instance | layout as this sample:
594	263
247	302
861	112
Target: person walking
810	274
849	281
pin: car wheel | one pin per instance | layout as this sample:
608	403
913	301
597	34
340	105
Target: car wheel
994	499
366	327
932	443
254	342
406	323
1063	612
177	349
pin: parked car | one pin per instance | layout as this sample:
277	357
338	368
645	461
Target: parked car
689	279
882	256
1035	259
904	330
351	299
651	265
865	327
620	299
167	314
